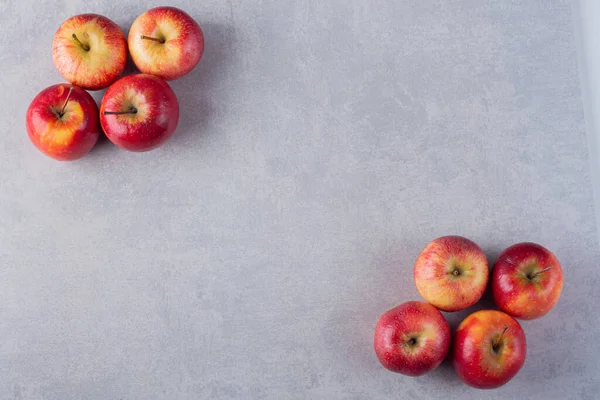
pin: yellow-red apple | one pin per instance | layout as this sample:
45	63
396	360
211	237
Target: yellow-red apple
489	349
527	280
62	122
166	42
90	51
139	112
412	338
451	273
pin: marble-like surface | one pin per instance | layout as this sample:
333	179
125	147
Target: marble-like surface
322	144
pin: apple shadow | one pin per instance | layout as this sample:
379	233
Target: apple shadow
102	140
102	146
103	143
445	373
195	90
130	68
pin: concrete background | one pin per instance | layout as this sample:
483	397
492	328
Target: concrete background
322	144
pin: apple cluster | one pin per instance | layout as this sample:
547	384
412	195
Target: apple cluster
138	112
489	346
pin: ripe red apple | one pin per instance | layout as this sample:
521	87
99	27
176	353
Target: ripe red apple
527	280
489	349
62	122
451	273
90	51
139	112
166	42
412	338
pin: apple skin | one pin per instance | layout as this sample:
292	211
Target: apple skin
96	57
412	338
451	273
527	281
154	120
61	129
178	44
489	349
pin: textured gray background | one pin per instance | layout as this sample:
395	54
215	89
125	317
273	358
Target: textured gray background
322	144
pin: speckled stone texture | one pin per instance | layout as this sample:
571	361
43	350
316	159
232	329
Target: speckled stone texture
322	144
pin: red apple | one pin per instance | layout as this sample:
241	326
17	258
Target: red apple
90	51
139	112
451	273
166	42
62	122
489	349
412	338
527	280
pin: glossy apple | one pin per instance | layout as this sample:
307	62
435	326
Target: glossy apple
166	42
139	112
62	122
412	338
451	273
489	349
90	51
527	280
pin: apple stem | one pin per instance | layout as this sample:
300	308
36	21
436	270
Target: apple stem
153	39
496	344
62	110
504	331
540	271
132	110
83	46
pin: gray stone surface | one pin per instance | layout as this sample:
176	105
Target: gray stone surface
322	144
